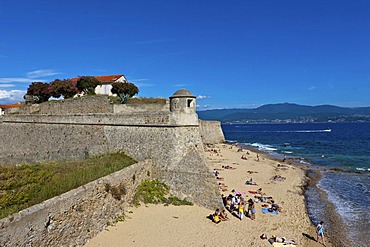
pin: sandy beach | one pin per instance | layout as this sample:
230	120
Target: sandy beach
159	225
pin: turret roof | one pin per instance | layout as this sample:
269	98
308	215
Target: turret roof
182	92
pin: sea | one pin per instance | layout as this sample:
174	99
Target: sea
337	158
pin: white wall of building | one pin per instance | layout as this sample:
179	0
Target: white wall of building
106	88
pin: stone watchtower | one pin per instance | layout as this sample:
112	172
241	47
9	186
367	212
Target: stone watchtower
183	108
182	101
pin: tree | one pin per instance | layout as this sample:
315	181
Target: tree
87	84
65	88
38	92
124	90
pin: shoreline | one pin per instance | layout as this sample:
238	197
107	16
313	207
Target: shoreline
336	226
189	226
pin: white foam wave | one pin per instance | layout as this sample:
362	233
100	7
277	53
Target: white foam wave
344	207
262	147
295	131
305	131
287	152
305	162
362	169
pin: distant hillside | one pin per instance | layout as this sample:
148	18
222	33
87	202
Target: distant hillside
287	112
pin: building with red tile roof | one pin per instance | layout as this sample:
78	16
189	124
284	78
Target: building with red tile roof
106	81
3	107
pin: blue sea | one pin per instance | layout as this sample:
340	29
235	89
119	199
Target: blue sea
339	152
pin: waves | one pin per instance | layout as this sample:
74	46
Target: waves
350	195
362	169
340	151
288	131
261	147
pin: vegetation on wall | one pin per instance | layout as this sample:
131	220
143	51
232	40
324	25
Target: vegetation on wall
39	92
87	84
139	100
155	192
26	185
124	90
143	100
65	88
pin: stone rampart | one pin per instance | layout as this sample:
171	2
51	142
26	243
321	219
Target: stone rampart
82	105
76	216
176	148
173	140
130	108
211	132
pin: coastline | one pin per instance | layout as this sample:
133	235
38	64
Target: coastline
335	224
188	226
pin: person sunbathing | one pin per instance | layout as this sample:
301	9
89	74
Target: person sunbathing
222	186
228	167
275	207
250	182
276	239
223	215
262	198
216	217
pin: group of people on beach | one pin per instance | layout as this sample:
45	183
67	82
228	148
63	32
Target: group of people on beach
236	204
239	206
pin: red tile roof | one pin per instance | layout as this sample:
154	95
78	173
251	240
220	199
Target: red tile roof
102	78
10	106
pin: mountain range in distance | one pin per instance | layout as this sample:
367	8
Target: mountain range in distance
288	113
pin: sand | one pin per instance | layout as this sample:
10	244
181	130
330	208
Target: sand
159	225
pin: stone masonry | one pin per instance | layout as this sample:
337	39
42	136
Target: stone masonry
172	140
73	218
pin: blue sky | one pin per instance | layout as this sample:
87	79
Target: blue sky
230	54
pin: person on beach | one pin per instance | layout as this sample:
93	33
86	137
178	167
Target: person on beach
274	207
320	232
250	203
223	215
241	210
216	216
258	157
253	210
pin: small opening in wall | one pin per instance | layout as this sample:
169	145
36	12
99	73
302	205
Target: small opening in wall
190	101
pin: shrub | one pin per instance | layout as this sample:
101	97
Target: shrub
155	192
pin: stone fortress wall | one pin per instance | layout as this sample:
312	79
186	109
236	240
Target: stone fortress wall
172	140
211	132
74	217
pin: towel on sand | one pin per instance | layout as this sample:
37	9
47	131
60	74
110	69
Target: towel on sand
266	210
283	245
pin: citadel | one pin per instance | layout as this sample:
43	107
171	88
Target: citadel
167	140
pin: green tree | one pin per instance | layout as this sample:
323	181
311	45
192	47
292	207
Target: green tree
65	88
38	92
124	90
87	84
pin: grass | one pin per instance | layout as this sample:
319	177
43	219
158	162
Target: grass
155	192
120	218
144	100
26	185
141	100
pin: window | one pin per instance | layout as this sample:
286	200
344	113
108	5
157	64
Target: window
190	103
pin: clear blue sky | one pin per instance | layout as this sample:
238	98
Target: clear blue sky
231	54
